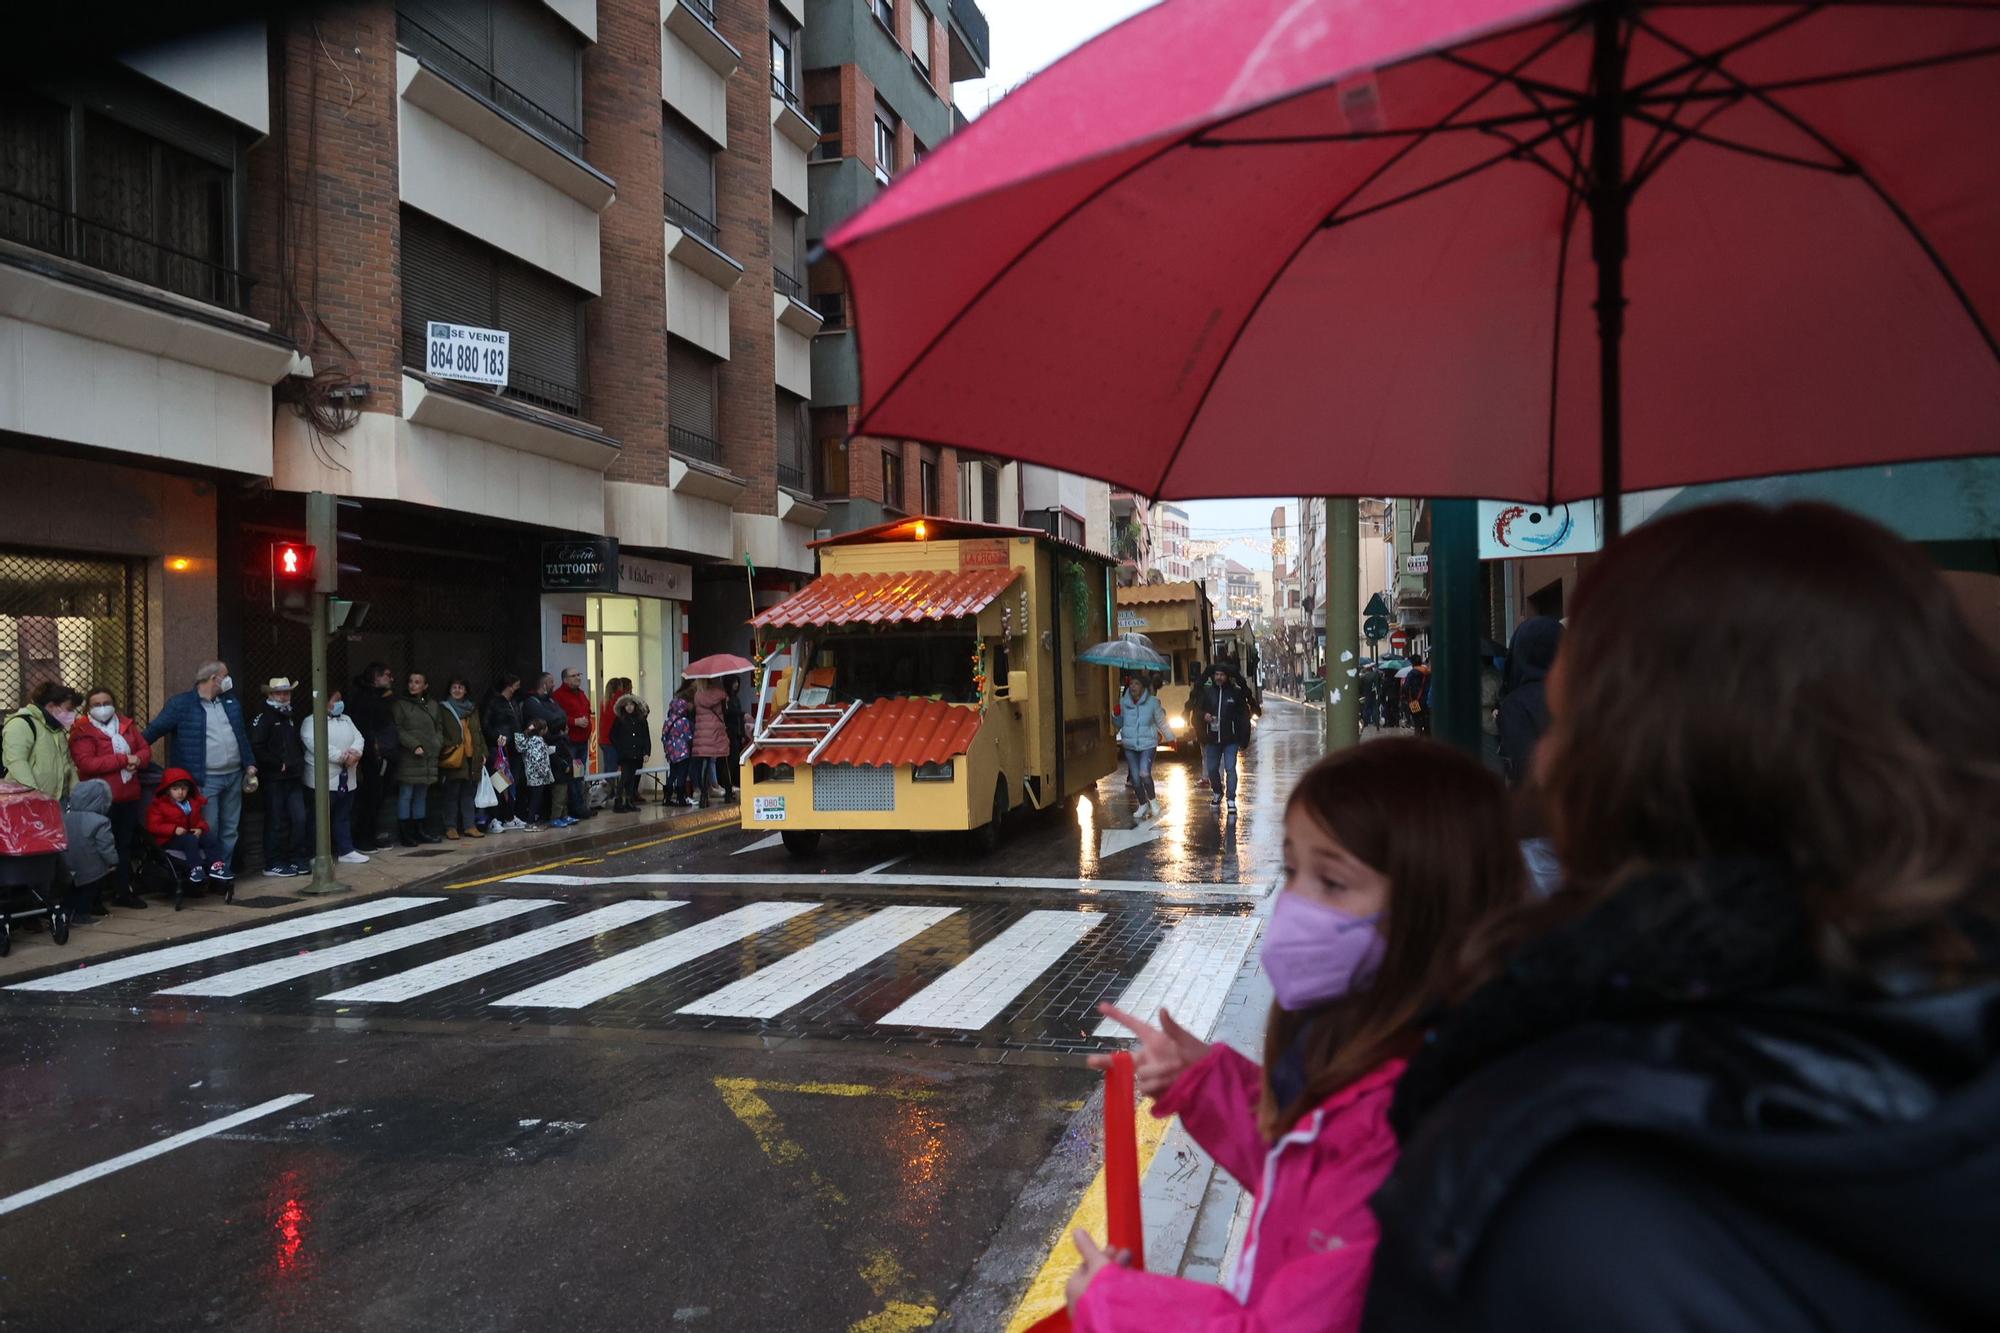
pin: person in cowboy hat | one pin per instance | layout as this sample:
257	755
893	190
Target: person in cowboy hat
281	769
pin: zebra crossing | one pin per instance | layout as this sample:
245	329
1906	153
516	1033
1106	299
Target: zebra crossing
832	966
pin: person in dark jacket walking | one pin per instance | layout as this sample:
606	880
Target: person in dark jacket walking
281	760
1224	709
1743	1070
631	741
733	717
1524	694
368	707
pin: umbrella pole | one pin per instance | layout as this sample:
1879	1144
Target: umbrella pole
1609	200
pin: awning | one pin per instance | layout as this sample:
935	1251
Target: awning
1145	594
887	599
891	732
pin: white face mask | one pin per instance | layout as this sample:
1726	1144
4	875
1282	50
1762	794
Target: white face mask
225	685
336	708
103	712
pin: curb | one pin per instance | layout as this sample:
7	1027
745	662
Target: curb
513	861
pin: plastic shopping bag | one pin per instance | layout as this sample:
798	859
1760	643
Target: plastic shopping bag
485	798
1124	1228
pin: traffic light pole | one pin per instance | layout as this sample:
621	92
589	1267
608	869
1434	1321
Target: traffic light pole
1343	640
321	535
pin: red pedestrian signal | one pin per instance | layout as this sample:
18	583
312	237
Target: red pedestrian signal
292	562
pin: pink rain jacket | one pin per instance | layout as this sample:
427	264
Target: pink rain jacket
1311	1241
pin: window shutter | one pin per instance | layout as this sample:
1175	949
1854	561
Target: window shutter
446	276
920	34
541	57
690	389
690	166
464	30
544	319
785	239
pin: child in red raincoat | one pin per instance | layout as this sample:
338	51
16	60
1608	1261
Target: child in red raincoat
174	820
1363	941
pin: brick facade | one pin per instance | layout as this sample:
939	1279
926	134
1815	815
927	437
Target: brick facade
626	328
331	157
748	409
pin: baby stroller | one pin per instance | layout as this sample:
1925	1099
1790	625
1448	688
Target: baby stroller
32	841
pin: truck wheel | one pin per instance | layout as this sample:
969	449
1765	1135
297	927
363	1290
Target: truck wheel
801	844
985	839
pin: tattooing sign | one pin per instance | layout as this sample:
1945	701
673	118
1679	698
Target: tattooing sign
461	352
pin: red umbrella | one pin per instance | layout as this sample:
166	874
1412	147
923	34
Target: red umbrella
1349	247
717	664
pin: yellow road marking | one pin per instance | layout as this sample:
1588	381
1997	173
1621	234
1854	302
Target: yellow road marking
596	860
740	1095
833	1089
896	1317
1045	1293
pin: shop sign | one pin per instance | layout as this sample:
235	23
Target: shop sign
580	564
982	554
572	629
1508	530
641	577
1417	564
461	352
1131	620
767	810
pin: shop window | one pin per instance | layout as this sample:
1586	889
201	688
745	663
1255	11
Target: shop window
903	665
76	619
449	276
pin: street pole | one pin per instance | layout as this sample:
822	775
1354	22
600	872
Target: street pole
1343	630
322	535
1455	623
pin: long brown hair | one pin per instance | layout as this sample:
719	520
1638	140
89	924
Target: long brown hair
1436	824
1794	686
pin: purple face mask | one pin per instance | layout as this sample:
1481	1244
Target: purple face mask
1314	953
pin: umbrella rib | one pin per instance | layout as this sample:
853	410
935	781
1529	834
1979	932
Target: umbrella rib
1572	208
1250	316
1698	135
1365	136
1697	63
1861	174
1804	81
1515	152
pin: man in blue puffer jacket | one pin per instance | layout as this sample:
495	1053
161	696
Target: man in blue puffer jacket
213	745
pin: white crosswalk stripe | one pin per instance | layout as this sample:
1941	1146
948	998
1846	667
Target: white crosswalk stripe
588	985
279	970
501	953
798	977
1189	974
972	994
219	946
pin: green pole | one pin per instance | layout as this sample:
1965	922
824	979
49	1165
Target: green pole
1343	639
1455	623
321	534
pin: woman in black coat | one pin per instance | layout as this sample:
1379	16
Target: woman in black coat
632	738
1743	1070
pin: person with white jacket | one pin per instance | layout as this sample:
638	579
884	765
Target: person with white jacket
343	771
1142	727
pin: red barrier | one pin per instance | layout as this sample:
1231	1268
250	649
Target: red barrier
1125	1228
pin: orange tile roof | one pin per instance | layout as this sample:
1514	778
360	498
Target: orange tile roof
891	732
1146	593
886	599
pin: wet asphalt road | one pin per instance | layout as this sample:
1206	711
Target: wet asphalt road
805	1095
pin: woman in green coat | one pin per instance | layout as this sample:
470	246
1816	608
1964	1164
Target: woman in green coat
34	742
424	731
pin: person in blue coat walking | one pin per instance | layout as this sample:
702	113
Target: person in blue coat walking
212	744
1142	727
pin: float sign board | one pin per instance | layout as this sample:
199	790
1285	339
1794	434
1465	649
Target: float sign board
462	352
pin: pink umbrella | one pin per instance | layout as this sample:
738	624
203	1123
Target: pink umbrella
717	664
1498	248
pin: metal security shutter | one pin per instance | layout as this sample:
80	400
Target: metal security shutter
541	58
77	619
689	162
787	225
544	315
690	388
446	276
447	28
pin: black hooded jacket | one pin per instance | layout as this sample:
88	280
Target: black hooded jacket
1665	1119
1524	695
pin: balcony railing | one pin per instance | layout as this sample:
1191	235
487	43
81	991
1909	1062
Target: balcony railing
487	86
567	400
792	476
702	10
691	220
787	285
45	227
693	444
972	23
787	94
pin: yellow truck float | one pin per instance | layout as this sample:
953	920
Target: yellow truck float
927	681
1179	621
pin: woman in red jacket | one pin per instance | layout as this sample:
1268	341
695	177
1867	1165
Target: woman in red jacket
174	819
105	743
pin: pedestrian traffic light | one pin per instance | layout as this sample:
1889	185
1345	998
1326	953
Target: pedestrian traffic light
292	563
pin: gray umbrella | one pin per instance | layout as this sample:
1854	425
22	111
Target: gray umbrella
1127	652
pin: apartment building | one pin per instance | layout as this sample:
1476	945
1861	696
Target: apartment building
1171	534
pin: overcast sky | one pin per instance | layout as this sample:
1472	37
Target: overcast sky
1028	35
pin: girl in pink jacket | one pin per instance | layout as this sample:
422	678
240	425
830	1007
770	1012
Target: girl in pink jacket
1394	852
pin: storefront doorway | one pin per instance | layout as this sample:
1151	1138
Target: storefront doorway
634	638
